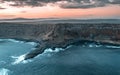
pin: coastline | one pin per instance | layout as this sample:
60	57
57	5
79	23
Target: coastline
61	35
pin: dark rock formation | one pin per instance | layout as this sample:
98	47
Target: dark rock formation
61	34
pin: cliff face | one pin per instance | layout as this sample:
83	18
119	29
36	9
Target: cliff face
65	32
61	34
26	31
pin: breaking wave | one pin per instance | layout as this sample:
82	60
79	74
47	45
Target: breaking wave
19	59
49	50
4	71
12	40
32	43
16	41
91	45
19	41
117	47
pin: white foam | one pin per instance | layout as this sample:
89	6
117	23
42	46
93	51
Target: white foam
49	50
113	47
16	41
91	45
94	45
12	40
4	71
32	43
19	59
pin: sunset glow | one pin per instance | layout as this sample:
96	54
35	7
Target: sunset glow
49	11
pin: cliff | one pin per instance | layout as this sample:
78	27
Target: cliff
52	35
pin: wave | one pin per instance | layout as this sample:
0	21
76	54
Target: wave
19	41
2	62
16	41
19	59
116	47
4	71
32	43
12	40
100	45
49	50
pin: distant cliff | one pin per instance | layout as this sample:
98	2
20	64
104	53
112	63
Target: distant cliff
61	34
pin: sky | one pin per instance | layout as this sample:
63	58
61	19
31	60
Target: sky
59	9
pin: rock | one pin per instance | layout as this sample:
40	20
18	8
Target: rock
35	52
61	34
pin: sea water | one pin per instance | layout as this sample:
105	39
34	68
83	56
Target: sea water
88	59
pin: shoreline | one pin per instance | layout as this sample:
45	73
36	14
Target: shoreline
60	35
41	46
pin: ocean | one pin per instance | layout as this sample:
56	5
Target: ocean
88	59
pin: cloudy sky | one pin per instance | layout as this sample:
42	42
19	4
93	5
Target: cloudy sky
59	9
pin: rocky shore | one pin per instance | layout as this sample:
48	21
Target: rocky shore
52	35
